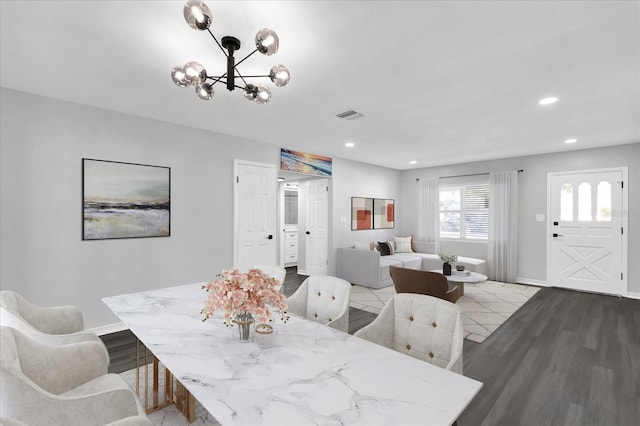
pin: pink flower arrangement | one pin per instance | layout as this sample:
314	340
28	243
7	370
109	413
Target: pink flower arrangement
238	293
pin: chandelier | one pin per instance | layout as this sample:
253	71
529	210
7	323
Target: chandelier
199	17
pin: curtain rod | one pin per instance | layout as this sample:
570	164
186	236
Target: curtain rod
472	174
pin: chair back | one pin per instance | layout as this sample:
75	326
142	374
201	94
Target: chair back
9	319
8	350
419	282
327	298
323	299
428	328
275	271
9	301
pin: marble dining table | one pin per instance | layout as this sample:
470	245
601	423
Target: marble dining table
310	374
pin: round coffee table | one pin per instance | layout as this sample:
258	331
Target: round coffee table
463	277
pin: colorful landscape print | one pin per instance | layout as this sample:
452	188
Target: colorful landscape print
300	162
124	200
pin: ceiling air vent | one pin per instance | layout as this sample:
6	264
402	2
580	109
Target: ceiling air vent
350	115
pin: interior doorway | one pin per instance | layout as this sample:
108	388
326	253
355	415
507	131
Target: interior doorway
586	239
304	222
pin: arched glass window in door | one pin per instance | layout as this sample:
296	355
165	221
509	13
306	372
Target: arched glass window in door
566	202
584	202
603	201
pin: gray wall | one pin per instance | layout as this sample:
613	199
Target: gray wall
354	179
533	199
42	142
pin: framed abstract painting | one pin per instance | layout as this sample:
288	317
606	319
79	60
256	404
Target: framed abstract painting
383	213
125	200
361	213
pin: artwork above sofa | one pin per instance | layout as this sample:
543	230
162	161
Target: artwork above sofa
364	264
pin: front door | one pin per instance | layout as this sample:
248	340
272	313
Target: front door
585	239
255	214
316	229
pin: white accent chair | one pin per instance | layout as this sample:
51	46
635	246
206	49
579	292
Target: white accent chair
46	325
424	327
62	385
323	299
276	271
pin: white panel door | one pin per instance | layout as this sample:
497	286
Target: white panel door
255	214
585	241
316	229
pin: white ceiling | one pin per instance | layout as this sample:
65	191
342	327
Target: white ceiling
439	82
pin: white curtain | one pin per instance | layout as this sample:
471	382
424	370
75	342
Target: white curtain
429	210
502	258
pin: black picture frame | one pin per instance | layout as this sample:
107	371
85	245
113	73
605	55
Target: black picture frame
125	200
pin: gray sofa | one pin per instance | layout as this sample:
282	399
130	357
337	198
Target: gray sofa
368	268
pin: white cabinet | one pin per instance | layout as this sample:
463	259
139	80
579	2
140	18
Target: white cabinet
290	248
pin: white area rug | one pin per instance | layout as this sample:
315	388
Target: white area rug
485	305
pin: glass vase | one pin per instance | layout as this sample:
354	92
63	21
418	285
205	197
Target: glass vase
244	331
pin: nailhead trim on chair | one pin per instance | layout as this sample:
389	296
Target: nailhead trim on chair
434	325
411	318
408	347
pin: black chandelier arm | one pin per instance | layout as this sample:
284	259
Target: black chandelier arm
216	78
239	75
218	43
246	57
220	79
255	76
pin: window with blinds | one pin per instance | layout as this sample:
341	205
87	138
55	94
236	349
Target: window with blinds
464	212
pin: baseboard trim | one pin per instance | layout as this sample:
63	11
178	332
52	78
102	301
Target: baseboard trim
109	328
531	281
631	295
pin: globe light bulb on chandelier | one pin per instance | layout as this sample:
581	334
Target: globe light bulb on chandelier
199	17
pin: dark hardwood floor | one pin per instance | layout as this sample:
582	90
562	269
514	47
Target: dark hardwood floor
564	358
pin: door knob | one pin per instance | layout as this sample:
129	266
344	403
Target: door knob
308	233
270	237
557	235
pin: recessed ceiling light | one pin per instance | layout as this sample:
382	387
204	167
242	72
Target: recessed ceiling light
571	140
548	101
413	162
349	144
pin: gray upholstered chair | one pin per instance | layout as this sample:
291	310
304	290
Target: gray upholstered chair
424	282
424	327
323	299
62	385
47	325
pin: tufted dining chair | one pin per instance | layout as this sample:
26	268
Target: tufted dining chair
323	299
62	385
424	282
424	327
46	325
276	271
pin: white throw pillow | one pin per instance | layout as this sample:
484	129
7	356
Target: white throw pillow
358	245
403	244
